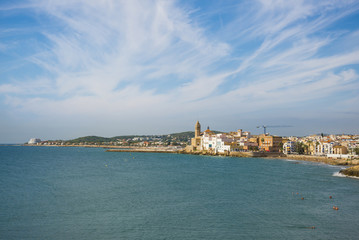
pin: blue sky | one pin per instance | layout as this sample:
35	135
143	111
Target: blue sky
76	68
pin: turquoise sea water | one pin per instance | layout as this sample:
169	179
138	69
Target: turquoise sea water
87	193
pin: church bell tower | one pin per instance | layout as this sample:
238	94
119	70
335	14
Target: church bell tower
197	129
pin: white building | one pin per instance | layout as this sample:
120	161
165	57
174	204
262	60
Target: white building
289	147
223	142
218	143
245	144
209	142
34	141
325	148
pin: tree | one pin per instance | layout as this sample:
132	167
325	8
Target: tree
253	148
281	146
306	148
301	148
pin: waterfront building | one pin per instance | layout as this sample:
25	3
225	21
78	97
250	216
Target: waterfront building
209	140
226	143
232	142
289	147
325	147
226	147
269	143
247	144
340	150
216	143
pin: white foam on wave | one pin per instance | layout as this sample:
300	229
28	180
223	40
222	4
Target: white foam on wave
338	174
289	160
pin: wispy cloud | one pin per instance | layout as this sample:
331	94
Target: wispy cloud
157	59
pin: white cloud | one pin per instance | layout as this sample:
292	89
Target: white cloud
124	41
28	87
155	59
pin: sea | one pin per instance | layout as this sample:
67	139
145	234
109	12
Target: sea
88	193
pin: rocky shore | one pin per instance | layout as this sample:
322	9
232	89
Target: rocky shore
352	171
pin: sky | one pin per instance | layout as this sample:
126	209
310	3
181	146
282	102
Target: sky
108	68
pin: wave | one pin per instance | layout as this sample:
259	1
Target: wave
338	174
289	160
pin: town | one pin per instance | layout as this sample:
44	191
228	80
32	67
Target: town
342	146
333	146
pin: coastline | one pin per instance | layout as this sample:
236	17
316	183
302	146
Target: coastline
351	164
322	159
309	158
351	171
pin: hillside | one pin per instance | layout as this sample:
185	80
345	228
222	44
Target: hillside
95	139
182	137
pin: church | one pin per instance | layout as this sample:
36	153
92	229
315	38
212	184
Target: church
220	142
196	142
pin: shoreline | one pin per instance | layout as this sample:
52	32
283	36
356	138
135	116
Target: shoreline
322	159
309	158
276	155
351	164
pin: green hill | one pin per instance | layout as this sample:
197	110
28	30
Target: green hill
182	136
92	139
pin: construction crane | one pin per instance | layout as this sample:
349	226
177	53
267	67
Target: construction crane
276	126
